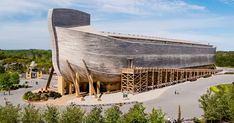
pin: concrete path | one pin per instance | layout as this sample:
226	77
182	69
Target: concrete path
164	98
189	93
16	95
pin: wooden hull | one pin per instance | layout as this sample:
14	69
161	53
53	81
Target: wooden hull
105	56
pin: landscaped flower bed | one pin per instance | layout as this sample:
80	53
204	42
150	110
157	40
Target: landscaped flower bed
41	95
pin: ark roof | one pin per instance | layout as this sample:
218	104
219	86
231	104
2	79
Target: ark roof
90	29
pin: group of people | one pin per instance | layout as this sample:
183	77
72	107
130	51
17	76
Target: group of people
176	92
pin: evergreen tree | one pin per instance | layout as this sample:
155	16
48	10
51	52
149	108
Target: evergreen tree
72	114
136	114
156	116
113	115
5	82
31	115
95	116
14	78
51	114
9	114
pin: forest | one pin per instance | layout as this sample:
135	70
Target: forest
224	59
21	59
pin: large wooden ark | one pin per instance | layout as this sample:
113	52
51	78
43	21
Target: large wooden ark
76	44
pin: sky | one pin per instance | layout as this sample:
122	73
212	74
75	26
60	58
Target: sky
23	23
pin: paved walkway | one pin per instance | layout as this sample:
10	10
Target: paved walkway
164	98
16	95
189	93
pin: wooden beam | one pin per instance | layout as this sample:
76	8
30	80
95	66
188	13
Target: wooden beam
77	85
90	79
73	76
98	87
61	85
49	79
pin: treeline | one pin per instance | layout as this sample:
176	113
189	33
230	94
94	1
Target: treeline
74	114
224	59
23	58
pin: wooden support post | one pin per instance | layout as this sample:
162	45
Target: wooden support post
90	89
49	79
124	82
177	75
98	87
190	75
172	76
185	75
153	80
61	85
160	77
182	75
90	79
165	82
70	87
77	85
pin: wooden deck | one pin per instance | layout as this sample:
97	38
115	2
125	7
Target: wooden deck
136	80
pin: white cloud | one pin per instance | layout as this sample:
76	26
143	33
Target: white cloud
34	34
34	7
30	7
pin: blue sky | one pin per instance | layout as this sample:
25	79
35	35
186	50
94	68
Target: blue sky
23	23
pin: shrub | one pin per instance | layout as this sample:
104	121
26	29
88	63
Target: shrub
157	116
72	114
44	96
51	114
27	95
36	97
54	94
218	105
40	95
94	116
113	115
136	114
9	114
31	115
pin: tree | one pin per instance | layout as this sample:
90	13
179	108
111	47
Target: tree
51	114
72	114
31	115
5	82
136	114
95	116
113	115
156	116
2	69
9	114
218	106
14	78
